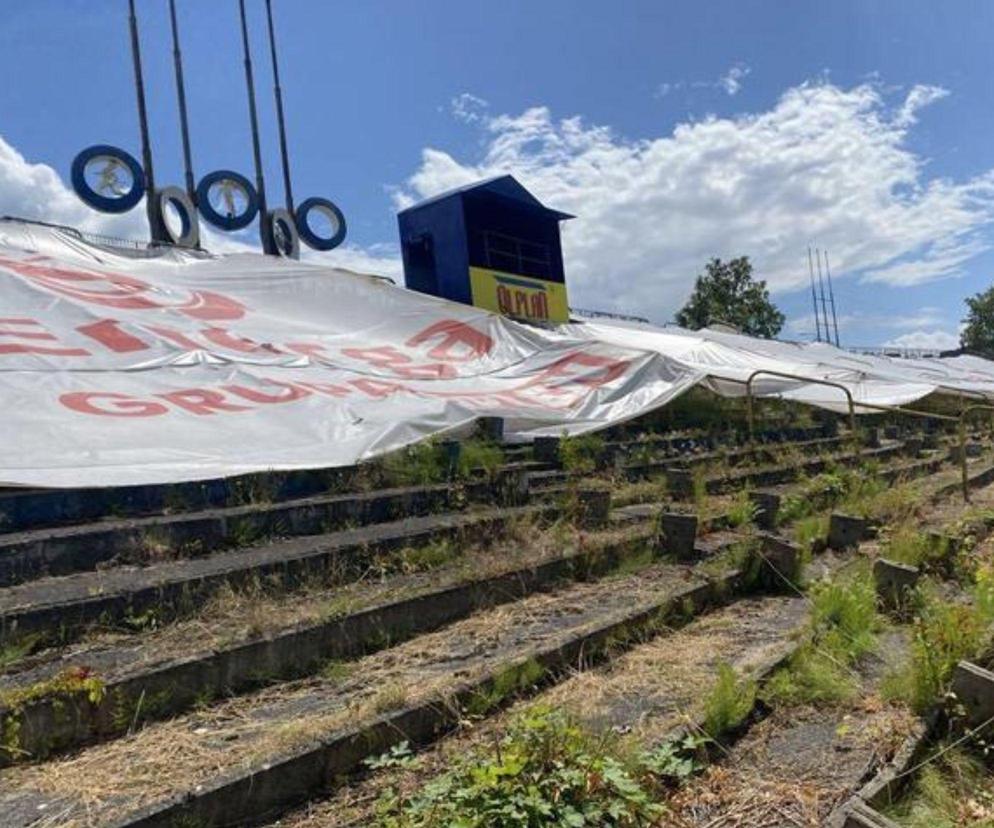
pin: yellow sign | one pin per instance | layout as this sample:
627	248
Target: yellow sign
534	300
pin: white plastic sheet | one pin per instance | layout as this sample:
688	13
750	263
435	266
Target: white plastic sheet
120	369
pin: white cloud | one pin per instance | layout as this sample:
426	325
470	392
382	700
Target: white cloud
923	317
919	97
930	340
731	81
824	165
469	108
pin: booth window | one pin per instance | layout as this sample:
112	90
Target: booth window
514	255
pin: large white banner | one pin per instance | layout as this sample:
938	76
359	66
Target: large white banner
119	369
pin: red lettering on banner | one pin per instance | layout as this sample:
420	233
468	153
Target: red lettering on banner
609	370
329	389
390	359
31	329
377	389
109	334
116	290
459	342
201	401
308	349
111	405
224	339
176	337
290	393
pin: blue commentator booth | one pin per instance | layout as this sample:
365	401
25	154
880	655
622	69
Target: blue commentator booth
491	244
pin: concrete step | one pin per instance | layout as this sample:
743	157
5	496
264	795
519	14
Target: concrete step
239	759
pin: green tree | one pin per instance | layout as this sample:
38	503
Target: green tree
726	292
978	335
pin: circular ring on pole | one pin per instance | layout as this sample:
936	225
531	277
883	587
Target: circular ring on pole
318	211
283	232
178	216
107	178
227	200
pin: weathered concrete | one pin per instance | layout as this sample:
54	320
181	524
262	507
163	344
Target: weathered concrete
779	563
64	550
680	483
861	815
845	531
54	724
974	688
894	583
767	507
677	534
593	506
546	449
490	428
68	604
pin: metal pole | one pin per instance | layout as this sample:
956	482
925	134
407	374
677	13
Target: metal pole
254	121
831	296
136	59
191	188
284	155
814	297
828	383
821	288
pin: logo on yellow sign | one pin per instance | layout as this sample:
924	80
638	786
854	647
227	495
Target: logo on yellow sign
534	300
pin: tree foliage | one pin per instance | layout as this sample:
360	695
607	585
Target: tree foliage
726	292
978	335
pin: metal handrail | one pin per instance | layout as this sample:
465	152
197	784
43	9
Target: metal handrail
767	372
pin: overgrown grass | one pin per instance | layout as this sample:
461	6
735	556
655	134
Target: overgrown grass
579	455
546	770
729	702
742	511
943	634
430	462
956	791
844	623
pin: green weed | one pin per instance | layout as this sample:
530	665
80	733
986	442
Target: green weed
547	770
729	703
579	455
954	791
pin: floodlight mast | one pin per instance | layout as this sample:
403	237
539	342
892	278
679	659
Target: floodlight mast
151	203
191	188
260	186
814	297
831	294
284	154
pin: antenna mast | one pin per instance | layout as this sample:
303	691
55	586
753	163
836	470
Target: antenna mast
831	294
260	185
191	189
814	297
287	189
151	206
821	291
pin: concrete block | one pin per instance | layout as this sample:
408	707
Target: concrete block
451	449
892	432
974	687
612	458
894	582
677	534
845	531
861	815
546	449
680	483
780	562
871	437
490	428
512	487
593	507
767	506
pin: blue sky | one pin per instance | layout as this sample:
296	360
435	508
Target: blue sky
675	131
